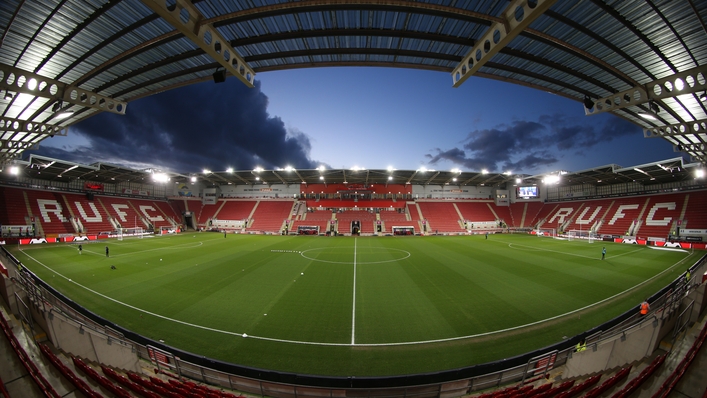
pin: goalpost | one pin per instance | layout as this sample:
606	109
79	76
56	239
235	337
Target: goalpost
575	234
137	232
546	232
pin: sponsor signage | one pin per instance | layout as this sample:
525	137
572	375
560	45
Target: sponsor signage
684	231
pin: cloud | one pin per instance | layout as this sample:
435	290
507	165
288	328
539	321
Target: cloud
530	145
191	128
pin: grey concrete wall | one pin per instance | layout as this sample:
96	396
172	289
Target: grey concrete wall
615	351
91	345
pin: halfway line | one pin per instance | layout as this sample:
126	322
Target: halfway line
353	312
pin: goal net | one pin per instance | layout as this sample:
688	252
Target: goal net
576	234
546	232
136	232
168	230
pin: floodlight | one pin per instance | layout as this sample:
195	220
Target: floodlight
454	179
321	168
64	115
160	177
588	103
229	170
518	180
219	76
653	107
321	177
390	168
14	170
390	178
455	170
422	169
193	179
699	173
289	168
484	171
258	169
207	171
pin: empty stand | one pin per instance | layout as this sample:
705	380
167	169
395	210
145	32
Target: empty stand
49	209
207	212
269	216
13	207
441	216
619	215
480	212
528	215
236	209
696	212
366	218
660	214
91	214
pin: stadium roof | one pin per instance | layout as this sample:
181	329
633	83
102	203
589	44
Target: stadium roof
670	170
64	61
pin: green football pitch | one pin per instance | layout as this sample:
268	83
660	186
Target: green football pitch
356	306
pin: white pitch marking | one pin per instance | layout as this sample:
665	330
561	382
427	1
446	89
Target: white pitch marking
353	311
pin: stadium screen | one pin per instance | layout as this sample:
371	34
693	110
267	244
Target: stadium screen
528	192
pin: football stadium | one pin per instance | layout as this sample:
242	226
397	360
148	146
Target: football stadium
321	282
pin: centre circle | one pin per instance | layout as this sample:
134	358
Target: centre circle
346	255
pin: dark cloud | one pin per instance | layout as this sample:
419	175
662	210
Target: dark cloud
529	145
191	128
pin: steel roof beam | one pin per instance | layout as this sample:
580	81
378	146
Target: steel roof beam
655	90
498	35
680	129
27	126
187	19
55	90
9	145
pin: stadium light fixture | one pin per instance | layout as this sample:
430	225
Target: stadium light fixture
57	106
699	173
484	171
64	115
455	170
321	177
160	177
14	170
653	110
390	178
207	171
193	179
518	180
229	170
422	169
321	168
588	103
220	75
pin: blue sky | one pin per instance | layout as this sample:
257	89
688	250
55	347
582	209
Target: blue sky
367	117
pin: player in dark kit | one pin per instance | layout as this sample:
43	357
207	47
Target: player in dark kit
107	252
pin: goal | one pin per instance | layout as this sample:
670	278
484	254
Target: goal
168	230
137	232
575	234
546	232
